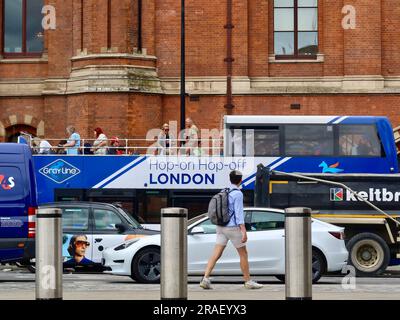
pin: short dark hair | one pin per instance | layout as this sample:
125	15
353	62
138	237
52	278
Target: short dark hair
235	176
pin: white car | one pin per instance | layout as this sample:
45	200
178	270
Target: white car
140	258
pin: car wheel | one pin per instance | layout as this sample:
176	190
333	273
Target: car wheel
368	254
146	265
318	267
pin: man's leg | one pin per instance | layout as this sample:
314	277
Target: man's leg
218	250
244	263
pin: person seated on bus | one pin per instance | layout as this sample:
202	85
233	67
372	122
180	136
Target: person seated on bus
365	148
59	149
42	146
114	148
87	149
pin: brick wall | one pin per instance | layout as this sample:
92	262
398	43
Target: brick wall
371	49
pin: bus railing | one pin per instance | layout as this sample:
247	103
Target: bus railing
125	146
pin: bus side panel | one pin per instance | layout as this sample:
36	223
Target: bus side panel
385	131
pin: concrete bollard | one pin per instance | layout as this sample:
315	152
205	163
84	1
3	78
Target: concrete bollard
174	254
298	254
49	266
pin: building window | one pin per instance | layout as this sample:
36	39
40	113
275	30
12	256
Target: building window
22	27
296	28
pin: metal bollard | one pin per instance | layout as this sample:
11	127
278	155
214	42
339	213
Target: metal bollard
49	267
298	254
174	254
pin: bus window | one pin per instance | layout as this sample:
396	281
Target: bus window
150	204
309	140
359	140
266	142
196	206
259	142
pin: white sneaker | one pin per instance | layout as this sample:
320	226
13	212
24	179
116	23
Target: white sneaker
205	283
252	285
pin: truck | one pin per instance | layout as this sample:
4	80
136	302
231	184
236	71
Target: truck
366	205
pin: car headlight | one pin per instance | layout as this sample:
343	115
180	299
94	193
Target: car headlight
126	245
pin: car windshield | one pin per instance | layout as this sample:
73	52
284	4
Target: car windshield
196	218
131	220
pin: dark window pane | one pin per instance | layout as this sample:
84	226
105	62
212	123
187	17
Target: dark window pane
266	142
359	140
283	3
284	20
308	43
284	43
76	219
307	3
308	19
13	26
34	31
262	221
309	140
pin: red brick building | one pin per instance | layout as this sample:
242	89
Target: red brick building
116	63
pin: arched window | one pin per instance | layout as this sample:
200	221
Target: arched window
22	27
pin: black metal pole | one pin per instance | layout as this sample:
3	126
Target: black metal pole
183	83
139	39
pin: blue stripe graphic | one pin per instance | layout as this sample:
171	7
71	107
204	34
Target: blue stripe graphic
123	172
332	121
253	175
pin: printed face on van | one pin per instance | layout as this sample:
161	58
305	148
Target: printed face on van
7	183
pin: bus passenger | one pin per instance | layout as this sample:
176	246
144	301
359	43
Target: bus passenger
192	134
165	142
42	146
74	141
100	144
114	149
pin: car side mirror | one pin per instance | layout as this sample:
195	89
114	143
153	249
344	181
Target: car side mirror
197	230
120	227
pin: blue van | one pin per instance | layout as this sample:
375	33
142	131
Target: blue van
18	203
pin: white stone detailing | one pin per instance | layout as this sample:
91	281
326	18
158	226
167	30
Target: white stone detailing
320	58
112	55
127	78
2	130
40	129
13	119
369	83
21	87
28	119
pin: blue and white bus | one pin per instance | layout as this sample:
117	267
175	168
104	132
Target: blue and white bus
145	183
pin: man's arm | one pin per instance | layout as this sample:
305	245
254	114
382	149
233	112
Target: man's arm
239	215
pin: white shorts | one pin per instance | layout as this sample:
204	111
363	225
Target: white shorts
234	234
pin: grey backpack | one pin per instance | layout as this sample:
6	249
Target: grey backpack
218	208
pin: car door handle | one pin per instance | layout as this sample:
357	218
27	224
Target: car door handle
98	240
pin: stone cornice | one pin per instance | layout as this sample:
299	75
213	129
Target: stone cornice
142	79
134	56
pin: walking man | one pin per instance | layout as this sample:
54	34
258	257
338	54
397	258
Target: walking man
235	231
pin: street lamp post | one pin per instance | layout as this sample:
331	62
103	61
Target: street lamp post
183	83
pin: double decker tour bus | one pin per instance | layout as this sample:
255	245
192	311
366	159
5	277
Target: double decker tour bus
144	183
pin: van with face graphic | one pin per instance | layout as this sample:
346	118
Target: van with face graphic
18	203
